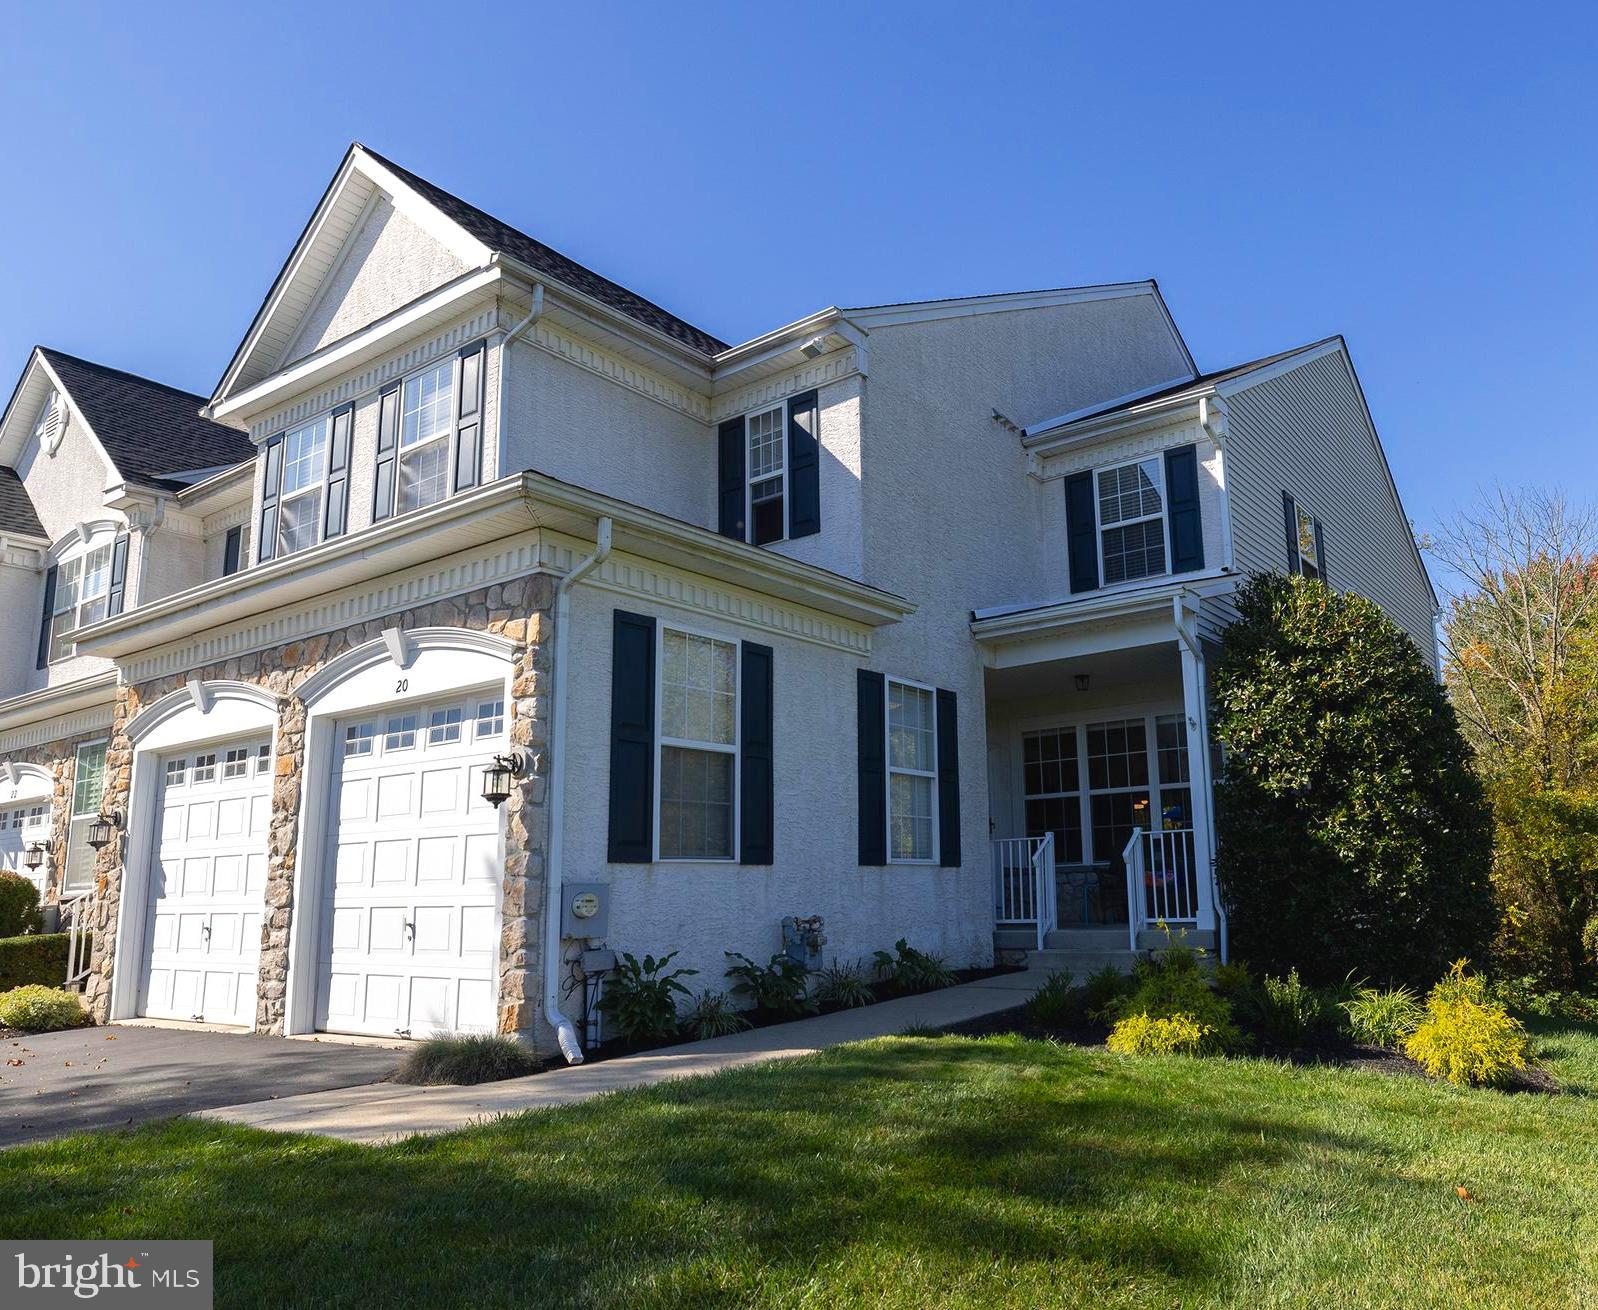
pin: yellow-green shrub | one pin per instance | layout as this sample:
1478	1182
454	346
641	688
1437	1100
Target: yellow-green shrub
38	1009
1177	1034
1466	1036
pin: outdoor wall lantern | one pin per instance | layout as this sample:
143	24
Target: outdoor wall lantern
1081	682
101	829
497	777
34	856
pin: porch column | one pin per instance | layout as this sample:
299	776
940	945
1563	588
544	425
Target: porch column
1198	763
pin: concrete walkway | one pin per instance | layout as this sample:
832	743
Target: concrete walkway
388	1111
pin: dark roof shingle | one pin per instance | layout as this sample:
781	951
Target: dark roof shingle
16	509
151	431
504	238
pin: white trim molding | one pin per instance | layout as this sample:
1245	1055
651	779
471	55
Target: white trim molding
200	698
411	644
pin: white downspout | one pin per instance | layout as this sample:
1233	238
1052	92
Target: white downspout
565	1031
533	315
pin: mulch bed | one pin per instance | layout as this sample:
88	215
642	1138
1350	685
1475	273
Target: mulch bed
1338	1054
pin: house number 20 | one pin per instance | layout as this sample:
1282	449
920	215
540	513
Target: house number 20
403	684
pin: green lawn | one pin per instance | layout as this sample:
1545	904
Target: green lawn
902	1172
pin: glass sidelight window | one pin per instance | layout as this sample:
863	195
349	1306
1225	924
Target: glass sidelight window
1052	768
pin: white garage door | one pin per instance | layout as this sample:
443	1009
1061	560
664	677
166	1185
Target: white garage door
22	824
206	884
411	914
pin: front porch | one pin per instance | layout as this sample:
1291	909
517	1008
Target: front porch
1099	781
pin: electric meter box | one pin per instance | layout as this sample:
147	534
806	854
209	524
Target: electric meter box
585	909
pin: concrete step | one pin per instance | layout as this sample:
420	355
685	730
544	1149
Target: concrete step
1079	964
1087	939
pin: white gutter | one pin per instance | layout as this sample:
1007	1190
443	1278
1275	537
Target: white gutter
565	1031
533	315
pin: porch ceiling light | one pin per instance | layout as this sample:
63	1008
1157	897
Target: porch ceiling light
498	776
103	826
34	856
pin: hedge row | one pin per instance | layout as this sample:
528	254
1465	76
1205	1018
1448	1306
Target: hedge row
39	958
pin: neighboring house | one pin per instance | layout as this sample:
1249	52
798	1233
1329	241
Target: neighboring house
834	621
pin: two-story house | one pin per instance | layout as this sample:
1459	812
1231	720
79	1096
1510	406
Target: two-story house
494	612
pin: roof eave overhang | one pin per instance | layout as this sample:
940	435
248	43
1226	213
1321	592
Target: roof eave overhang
49	702
1143	602
1084	432
518	504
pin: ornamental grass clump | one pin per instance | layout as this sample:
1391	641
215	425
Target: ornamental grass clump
1383	1018
1176	1034
39	1009
480	1058
712	1015
1467	1037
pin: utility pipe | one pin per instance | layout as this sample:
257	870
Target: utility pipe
565	1030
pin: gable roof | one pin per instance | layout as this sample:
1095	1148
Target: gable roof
151	432
16	509
502	238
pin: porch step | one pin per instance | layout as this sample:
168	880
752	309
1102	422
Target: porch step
1079	964
1086	939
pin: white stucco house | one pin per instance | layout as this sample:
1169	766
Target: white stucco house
897	614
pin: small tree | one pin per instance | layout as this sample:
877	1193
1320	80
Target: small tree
1352	834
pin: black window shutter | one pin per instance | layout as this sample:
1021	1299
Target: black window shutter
756	809
948	779
271	484
1182	510
730	479
469	429
1081	532
873	773
804	465
1290	519
232	550
117	589
338	472
632	739
1320	552
49	614
388	407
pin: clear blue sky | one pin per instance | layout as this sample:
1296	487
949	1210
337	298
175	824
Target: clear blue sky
1424	183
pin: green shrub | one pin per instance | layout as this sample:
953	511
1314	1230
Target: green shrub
712	1015
1529	995
39	958
1176	1034
37	1009
908	970
19	906
1383	1018
1056	1004
781	987
1173	984
1234	980
1102	991
640	997
1353	833
843	986
463	1060
1467	1037
1288	1010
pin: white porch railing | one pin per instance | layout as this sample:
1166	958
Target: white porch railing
75	916
1023	883
1161	879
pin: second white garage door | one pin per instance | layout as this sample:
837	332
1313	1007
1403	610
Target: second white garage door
410	914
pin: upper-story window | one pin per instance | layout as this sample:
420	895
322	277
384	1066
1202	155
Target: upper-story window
82	590
768	476
769	481
426	412
1305	553
1131	521
304	475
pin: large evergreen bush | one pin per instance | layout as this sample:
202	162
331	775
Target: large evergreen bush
1352	833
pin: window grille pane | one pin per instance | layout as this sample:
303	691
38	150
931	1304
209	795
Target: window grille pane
699	679
765	444
910	727
205	768
358	738
304	456
1136	551
444	726
1129	492
236	764
424	476
696	795
401	733
490	718
88	785
1170	733
297	522
425	412
910	816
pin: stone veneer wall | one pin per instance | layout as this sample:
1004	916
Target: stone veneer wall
521	611
61	758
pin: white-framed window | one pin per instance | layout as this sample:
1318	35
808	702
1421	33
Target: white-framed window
37	815
263	759
427	406
766	463
1308	535
236	763
912	773
1131	510
400	733
301	499
489	720
696	772
205	767
83	584
177	771
444	726
358	738
88	794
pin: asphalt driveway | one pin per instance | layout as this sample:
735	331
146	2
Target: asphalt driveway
59	1083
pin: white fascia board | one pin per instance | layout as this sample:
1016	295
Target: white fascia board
1308	355
922	311
77	414
1008	621
487	515
423	212
1034	432
47	702
778	340
371	341
219	484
